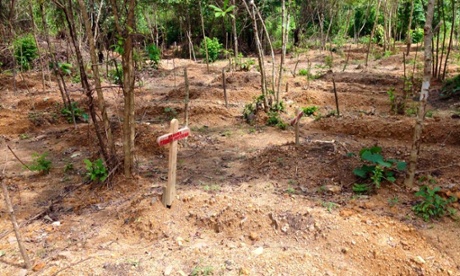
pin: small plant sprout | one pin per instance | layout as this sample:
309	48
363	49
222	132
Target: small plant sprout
375	170
330	206
432	204
310	110
40	163
96	171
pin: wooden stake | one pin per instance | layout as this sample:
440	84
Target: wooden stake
170	191
224	84
187	97
287	87
297	142
336	97
9	206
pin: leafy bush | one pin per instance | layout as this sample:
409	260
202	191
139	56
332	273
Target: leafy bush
450	87
25	51
274	119
244	64
96	171
154	54
417	35
310	110
40	163
79	114
432	204
214	48
249	112
303	72
375	170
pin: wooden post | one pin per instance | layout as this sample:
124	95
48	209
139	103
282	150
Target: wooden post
295	122
297	129
287	87
224	84
335	94
9	206
187	97
170	191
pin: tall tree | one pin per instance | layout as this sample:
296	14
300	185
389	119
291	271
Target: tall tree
417	138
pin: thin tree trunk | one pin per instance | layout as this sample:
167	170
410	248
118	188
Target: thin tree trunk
84	78
438	75
34	31
272	52
450	39
260	52
409	28
284	28
372	32
204	37
10	209
235	34
97	81
417	139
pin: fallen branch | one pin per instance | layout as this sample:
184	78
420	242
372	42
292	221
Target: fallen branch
71	265
24	164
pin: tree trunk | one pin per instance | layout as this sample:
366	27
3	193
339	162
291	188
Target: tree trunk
450	39
409	28
417	139
260	52
372	32
284	28
235	33
100	96
204	37
84	78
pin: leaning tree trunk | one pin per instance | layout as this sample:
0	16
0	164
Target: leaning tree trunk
84	78
417	139
449	47
204	38
235	33
284	32
260	52
97	81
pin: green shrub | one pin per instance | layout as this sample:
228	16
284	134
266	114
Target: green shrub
96	171
274	119
309	110
154	54
25	51
304	72
328	60
40	163
432	204
450	87
375	170
417	35
79	114
249	113
214	48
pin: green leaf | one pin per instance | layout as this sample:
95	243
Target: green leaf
401	166
384	163
391	179
372	157
363	171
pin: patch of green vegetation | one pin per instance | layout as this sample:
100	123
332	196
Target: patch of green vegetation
330	206
154	54
274	119
40	163
78	112
170	112
375	170
202	271
450	88
25	51
432	204
310	110
214	48
96	171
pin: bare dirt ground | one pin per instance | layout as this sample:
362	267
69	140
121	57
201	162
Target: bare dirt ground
249	202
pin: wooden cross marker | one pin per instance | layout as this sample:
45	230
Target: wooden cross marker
175	134
296	122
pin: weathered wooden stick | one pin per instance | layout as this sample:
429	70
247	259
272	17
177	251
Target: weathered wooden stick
9	206
297	142
170	191
287	87
224	85
336	97
20	161
187	97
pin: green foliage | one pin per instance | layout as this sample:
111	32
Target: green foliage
202	271
450	87
214	48
96	171
417	35
40	163
116	75
25	51
375	169
303	72
274	119
310	110
224	11
432	204
244	64
280	107
170	112
66	68
329	61
78	112
249	113
154	54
